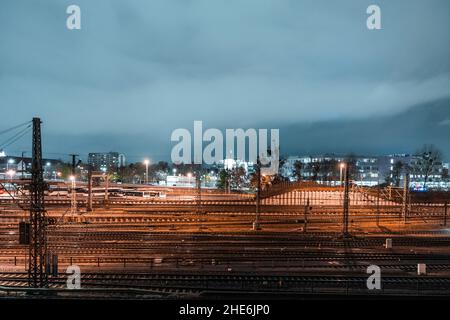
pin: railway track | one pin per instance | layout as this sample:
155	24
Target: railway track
251	254
291	266
142	239
202	284
242	239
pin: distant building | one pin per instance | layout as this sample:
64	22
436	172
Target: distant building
369	171
312	166
181	181
22	166
388	163
326	168
230	164
435	177
104	161
122	160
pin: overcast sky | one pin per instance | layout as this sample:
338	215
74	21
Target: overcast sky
139	69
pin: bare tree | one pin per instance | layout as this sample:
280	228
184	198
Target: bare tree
396	173
222	182
237	177
351	161
297	172
445	174
329	170
314	169
425	162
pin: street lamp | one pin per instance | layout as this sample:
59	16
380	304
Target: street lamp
146	162
56	174
46	169
23	165
10	173
341	167
10	161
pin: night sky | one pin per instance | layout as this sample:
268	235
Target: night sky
137	70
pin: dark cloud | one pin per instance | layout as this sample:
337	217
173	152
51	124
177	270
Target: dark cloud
143	68
405	132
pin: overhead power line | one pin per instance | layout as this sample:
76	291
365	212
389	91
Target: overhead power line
14	127
15	137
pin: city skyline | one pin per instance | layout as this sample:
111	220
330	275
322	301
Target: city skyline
147	73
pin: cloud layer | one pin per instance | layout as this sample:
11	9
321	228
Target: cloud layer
148	67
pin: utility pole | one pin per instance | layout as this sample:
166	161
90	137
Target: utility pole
89	203
146	162
23	166
305	220
73	206
198	181
37	273
256	225
405	207
74	162
73	197
345	232
227	181
106	191
445	213
378	199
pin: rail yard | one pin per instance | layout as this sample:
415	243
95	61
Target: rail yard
186	245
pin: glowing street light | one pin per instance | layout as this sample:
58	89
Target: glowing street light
10	161
341	167
189	175
11	174
146	162
56	175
